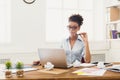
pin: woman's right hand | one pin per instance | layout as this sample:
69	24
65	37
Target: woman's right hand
84	36
36	62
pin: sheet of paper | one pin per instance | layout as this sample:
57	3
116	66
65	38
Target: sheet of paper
90	71
25	69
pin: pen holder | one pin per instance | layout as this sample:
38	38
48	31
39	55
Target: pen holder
19	67
8	74
20	73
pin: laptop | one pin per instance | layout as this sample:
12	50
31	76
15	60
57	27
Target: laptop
56	56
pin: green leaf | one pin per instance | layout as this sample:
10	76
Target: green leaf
19	65
8	64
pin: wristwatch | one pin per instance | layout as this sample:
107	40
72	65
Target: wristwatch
29	1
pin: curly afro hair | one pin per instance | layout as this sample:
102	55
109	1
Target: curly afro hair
76	18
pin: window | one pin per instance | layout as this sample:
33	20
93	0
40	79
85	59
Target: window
58	12
5	21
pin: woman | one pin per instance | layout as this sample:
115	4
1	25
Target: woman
76	45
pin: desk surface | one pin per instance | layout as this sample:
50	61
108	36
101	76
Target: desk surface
36	75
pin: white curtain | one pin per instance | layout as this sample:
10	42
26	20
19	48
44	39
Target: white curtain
5	34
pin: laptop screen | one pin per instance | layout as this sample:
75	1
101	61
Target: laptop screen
56	56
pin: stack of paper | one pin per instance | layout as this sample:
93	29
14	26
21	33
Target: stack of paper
90	71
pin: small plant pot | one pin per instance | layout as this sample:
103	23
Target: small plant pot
20	73
8	74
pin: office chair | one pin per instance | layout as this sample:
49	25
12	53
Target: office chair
82	60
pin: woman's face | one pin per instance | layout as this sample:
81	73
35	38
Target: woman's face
73	28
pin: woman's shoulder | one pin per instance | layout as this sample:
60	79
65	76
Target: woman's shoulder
65	39
64	42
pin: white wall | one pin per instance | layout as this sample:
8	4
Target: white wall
28	21
27	27
113	54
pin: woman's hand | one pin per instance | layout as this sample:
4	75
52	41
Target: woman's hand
84	36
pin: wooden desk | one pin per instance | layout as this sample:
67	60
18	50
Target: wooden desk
35	75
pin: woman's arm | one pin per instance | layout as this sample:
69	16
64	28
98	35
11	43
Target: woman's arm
87	57
87	53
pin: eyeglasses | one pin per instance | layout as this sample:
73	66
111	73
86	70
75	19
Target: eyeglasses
72	27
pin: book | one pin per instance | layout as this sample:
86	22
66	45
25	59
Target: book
113	34
114	68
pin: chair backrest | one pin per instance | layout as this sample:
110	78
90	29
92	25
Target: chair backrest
82	60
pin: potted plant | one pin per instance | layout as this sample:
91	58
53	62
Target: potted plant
8	73
19	72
